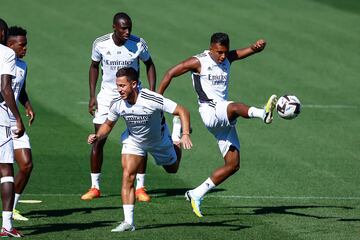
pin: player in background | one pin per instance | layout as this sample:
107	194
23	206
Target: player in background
210	74
114	51
143	112
17	41
7	100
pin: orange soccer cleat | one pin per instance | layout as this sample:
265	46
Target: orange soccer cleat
141	195
91	194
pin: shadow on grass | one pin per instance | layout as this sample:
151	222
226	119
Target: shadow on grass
170	192
60	227
224	223
287	210
65	212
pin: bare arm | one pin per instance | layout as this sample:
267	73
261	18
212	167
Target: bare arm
103	131
238	54
93	77
8	95
151	74
184	115
25	101
190	64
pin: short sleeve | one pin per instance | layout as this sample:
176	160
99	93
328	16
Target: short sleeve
95	54
114	111
8	65
169	106
144	54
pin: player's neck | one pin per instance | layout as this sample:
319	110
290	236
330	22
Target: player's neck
117	41
132	99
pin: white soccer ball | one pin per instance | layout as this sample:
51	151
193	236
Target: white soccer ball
288	106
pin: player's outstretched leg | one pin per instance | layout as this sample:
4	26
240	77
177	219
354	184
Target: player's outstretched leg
269	108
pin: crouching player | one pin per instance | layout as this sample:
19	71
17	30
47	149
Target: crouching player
147	132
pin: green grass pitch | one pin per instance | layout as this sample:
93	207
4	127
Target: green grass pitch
299	179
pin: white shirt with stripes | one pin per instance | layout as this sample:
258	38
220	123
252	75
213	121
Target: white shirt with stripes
113	57
145	119
211	84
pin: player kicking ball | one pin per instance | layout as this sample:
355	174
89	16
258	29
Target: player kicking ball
147	132
210	71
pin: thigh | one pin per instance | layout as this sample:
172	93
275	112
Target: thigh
131	162
6	145
226	137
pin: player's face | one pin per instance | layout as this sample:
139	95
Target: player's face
218	52
18	44
126	88
122	29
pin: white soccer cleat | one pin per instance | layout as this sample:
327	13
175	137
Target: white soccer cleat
269	108
195	203
18	217
123	227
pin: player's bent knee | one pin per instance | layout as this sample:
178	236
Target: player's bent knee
7	179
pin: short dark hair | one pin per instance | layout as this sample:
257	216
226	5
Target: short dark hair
130	73
16	31
221	38
120	15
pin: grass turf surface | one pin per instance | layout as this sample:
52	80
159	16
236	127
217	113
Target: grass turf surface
298	179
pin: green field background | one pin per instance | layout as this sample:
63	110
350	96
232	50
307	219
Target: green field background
299	179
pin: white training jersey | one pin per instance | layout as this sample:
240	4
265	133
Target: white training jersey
113	57
18	82
7	66
211	84
145	119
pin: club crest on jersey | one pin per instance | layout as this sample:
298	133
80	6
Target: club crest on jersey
118	52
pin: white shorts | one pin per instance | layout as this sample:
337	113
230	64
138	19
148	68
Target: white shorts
103	99
214	116
163	151
23	141
6	145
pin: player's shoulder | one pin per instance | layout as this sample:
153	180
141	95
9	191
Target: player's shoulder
136	40
151	96
115	101
202	55
102	39
6	51
21	63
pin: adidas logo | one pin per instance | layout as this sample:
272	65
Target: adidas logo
118	52
108	53
209	69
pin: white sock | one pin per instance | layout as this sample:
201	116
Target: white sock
95	180
256	112
7	222
129	213
201	190
176	132
140	180
16	199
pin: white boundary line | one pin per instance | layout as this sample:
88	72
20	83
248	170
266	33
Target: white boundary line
217	196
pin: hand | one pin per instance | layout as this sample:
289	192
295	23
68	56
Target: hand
186	141
92	138
259	45
20	129
30	114
92	105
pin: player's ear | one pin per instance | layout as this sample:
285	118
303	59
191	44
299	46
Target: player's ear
134	84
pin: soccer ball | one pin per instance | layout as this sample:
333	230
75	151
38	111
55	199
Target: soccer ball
288	106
